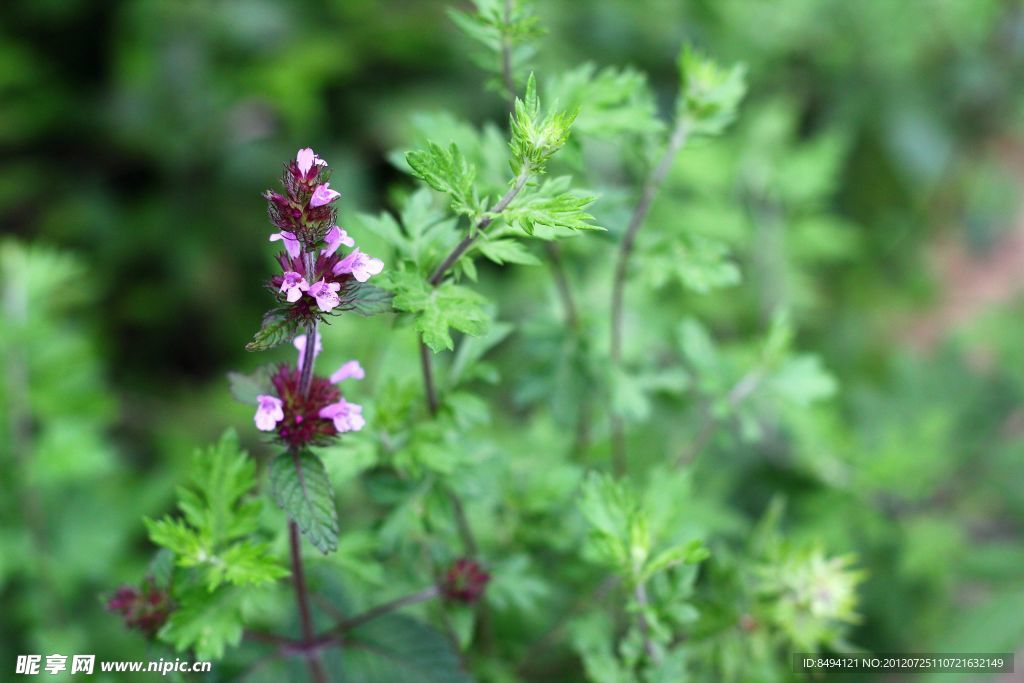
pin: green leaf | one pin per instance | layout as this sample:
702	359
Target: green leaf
246	387
448	171
535	139
690	553
554	206
803	380
695	262
613	103
250	563
367	300
276	328
424	236
437	309
178	537
710	94
217	505
397	649
503	251
619	537
466	364
215	534
301	488
207	622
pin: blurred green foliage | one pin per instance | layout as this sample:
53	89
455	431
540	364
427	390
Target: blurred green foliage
137	136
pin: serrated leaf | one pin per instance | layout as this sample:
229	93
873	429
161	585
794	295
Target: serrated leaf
397	649
504	251
214	535
697	263
710	94
613	103
690	553
250	563
448	171
276	328
367	300
534	139
206	622
553	206
437	309
301	488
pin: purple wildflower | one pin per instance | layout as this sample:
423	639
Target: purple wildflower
347	417
291	244
361	265
326	294
351	369
307	159
269	412
302	425
334	238
293	286
323	195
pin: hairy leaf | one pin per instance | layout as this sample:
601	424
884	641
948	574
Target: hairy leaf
437	309
397	649
553	206
504	251
214	536
276	328
300	486
448	171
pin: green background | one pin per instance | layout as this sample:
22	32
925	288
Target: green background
871	185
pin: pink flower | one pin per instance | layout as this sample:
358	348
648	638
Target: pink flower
351	369
335	237
305	160
291	244
347	417
326	294
322	195
294	285
269	412
300	343
361	265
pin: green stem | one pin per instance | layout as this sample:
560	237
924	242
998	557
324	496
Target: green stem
636	221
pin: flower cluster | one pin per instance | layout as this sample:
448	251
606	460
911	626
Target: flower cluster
315	279
464	581
145	610
310	418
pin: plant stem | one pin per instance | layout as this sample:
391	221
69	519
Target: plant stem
467	241
636	221
640	593
562	284
528	662
316	667
426	361
428	379
380	610
506	57
739	392
439	273
309	352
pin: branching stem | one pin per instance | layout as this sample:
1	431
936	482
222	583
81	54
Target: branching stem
520	182
316	667
636	221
